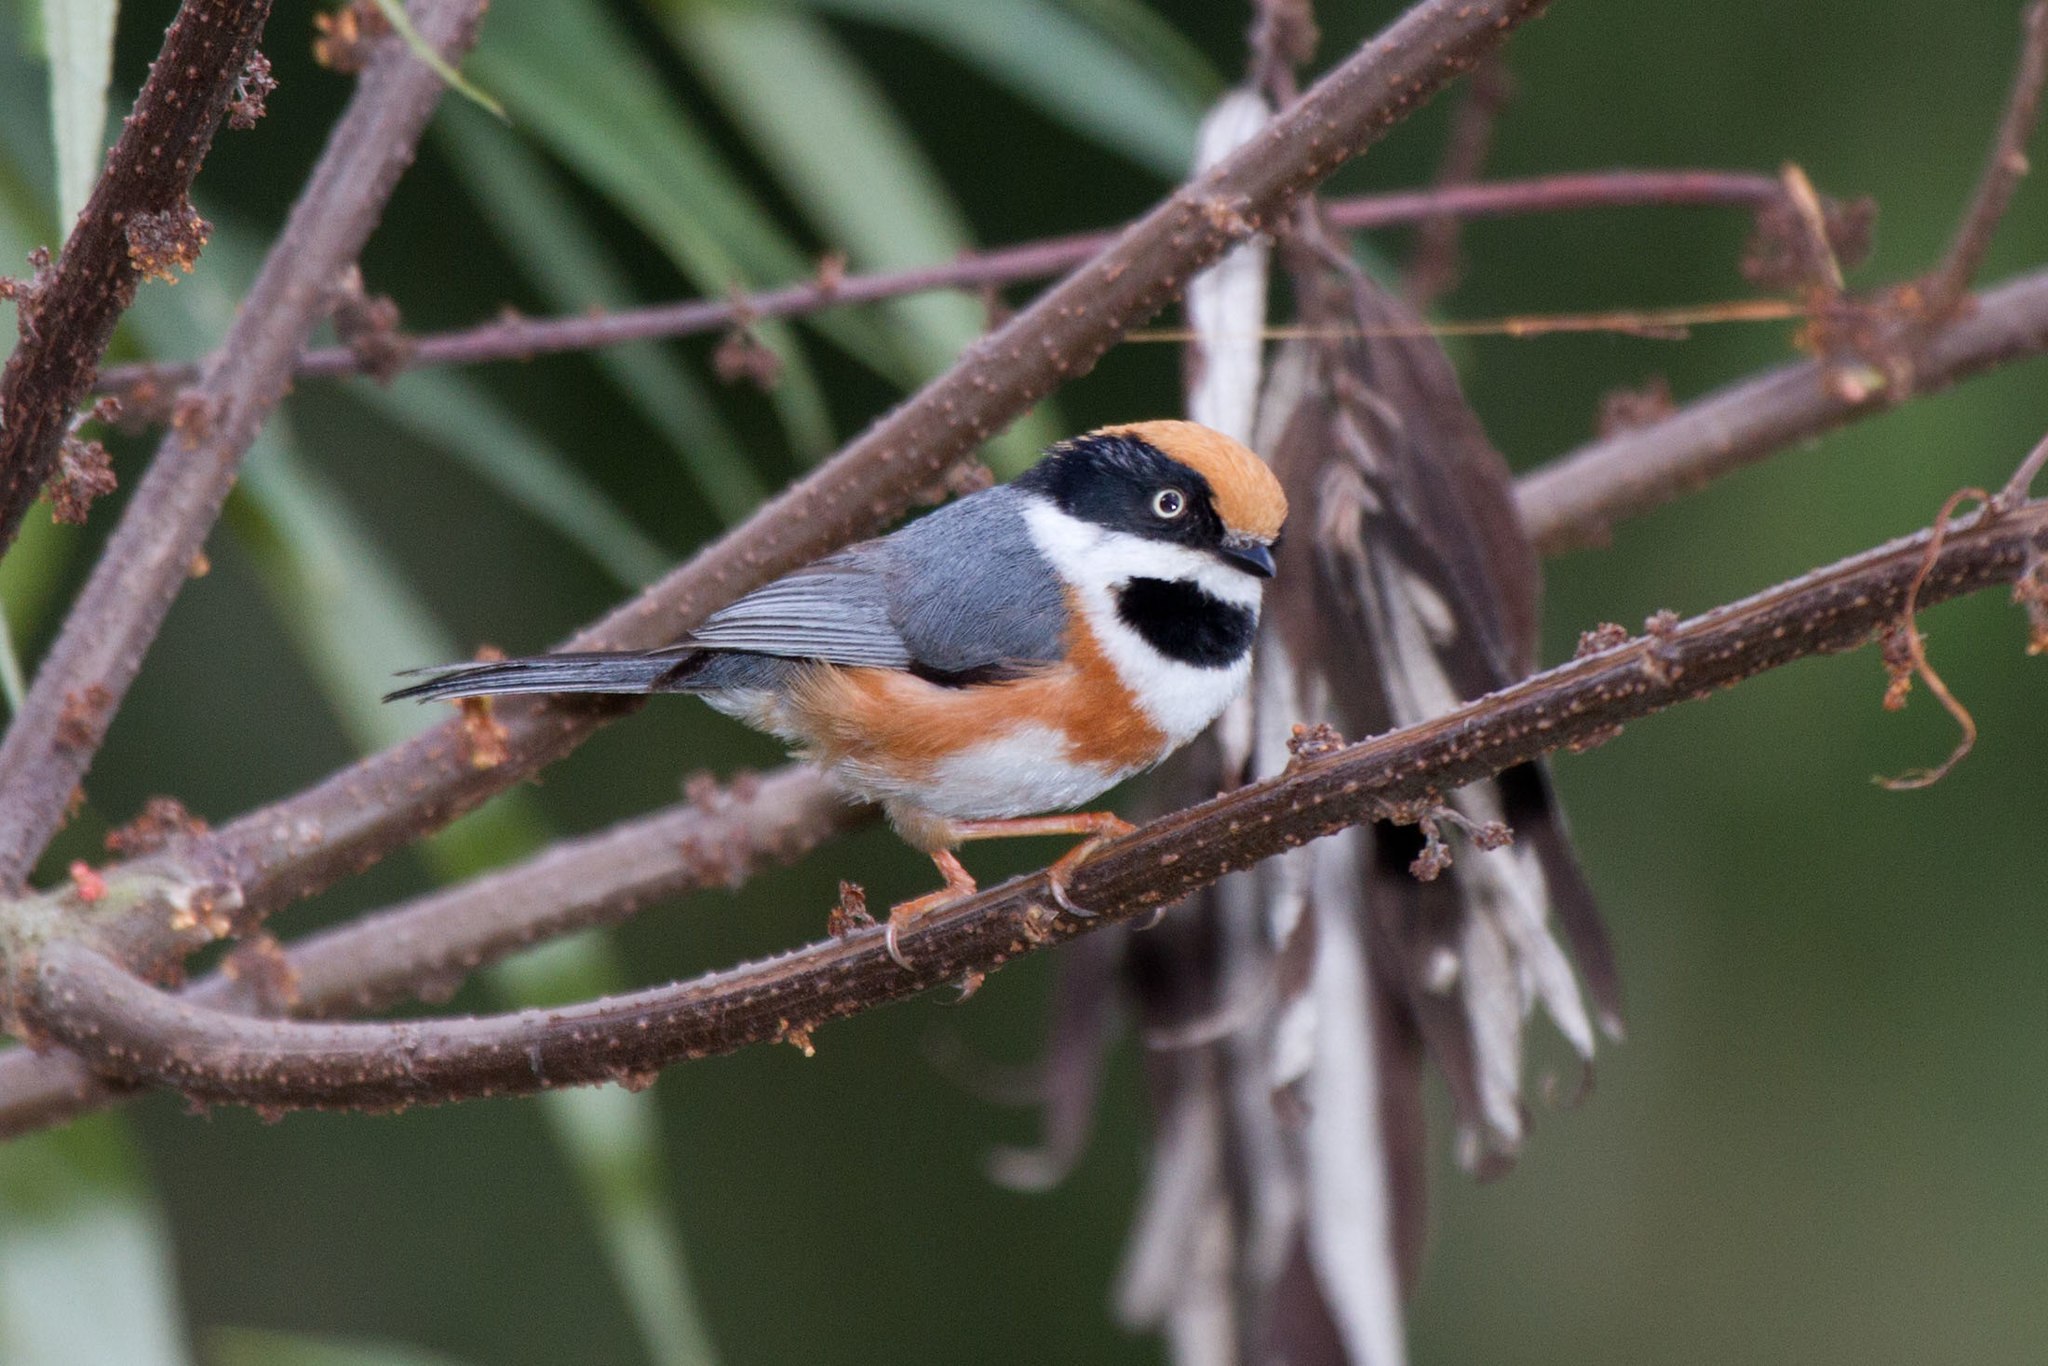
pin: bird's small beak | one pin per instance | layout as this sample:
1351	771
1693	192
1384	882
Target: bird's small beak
1254	557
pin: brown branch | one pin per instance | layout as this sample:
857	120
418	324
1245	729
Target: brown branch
149	388
1575	500
424	948
72	993
1946	288
81	683
355	817
66	322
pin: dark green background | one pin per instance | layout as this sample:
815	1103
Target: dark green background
1822	1141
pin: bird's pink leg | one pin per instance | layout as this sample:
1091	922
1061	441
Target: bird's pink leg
959	883
1099	826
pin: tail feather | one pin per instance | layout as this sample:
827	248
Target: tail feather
624	672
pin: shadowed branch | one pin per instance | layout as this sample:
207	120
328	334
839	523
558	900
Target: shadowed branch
71	992
271	857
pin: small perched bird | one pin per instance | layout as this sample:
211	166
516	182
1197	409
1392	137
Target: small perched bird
1017	652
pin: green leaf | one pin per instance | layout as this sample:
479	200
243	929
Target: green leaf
1145	107
353	618
401	23
264	1347
12	685
1155	44
570	265
78	35
613	1139
834	142
85	1262
356	623
26	175
575	81
462	419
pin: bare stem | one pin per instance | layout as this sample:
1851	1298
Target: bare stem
424	948
2003	170
76	995
150	388
358	815
1575	500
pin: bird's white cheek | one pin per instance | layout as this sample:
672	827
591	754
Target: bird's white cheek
1094	559
1180	699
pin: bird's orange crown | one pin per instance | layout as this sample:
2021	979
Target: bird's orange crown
1246	495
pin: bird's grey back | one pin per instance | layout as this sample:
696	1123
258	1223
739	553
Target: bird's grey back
959	594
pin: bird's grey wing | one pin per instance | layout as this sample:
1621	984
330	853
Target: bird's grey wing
959	594
835	610
969	593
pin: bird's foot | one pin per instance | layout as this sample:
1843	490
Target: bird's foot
1102	828
959	883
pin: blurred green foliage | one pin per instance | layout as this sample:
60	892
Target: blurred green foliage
1818	1144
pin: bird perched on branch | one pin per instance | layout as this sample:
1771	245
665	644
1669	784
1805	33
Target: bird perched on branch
1018	652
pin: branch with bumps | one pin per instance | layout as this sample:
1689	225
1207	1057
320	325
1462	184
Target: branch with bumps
70	991
253	865
138	223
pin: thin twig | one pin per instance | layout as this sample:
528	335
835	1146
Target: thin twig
423	949
70	992
1575	500
87	672
2016	488
148	389
358	815
65	323
1945	290
1433	265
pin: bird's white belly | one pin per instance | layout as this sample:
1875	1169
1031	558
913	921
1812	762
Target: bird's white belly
1026	772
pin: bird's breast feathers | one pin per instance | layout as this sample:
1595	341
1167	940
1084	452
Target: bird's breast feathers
1173	623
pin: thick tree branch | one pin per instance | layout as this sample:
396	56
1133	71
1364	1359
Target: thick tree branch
74	994
150	388
249	867
138	222
424	948
117	615
1575	500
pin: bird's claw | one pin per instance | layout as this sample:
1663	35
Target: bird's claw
1058	887
889	943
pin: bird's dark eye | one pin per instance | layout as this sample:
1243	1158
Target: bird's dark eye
1169	503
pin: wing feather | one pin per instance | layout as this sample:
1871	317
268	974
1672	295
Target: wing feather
962	591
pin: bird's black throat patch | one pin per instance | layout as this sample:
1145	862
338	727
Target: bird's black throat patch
1186	624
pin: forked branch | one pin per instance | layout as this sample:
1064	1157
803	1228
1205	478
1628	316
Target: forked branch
76	995
358	815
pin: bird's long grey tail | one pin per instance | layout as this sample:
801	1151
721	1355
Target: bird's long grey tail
623	672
